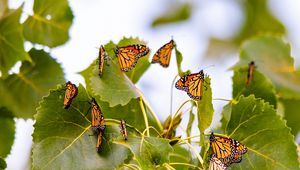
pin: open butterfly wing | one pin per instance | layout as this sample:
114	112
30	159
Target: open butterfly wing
163	54
129	55
222	148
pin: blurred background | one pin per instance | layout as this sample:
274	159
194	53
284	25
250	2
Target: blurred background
208	33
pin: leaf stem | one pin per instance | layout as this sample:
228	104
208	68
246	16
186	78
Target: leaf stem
195	151
227	100
145	116
151	111
171	100
186	164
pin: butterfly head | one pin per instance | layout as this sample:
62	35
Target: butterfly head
212	137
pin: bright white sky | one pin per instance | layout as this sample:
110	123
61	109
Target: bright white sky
96	22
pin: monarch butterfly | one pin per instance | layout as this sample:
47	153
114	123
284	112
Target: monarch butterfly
129	55
123	129
163	54
192	84
226	149
216	164
102	56
99	141
250	72
98	122
70	94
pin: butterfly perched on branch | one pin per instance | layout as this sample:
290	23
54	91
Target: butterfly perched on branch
163	54
129	55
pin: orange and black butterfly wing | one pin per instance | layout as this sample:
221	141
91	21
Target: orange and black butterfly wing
182	84
99	141
70	93
102	55
96	116
222	148
216	164
240	149
129	55
195	84
163	55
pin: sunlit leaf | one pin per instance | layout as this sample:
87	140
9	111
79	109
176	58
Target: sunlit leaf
7	126
205	108
269	141
11	40
2	164
21	92
260	86
291	114
190	124
150	152
179	61
50	23
272	58
114	81
3	7
174	13
62	136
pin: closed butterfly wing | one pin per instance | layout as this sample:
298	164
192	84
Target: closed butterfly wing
70	93
216	164
102	56
99	141
195	85
163	54
129	55
222	148
98	122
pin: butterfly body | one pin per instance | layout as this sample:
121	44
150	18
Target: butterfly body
163	54
192	84
250	72
129	55
70	94
98	122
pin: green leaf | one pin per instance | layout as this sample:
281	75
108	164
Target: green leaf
21	92
3	7
190	124
62	136
258	20
2	164
205	109
269	141
114	81
50	23
260	86
131	113
179	61
272	58
291	114
174	13
11	41
180	155
7	126
149	152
